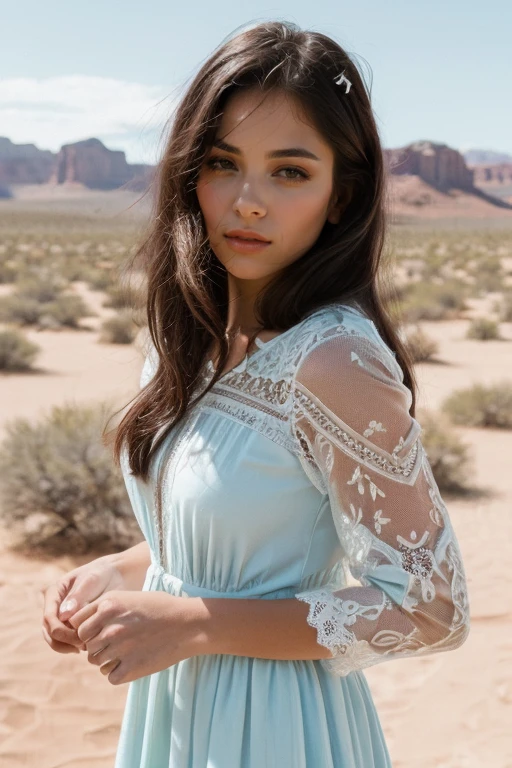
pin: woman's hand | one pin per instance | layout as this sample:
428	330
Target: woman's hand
133	634
83	584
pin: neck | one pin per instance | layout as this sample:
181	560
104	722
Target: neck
242	295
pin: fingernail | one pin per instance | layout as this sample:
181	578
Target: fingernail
69	605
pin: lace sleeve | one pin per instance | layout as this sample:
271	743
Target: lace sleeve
354	433
150	362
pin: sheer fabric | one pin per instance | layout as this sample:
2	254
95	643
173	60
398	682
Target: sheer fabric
359	444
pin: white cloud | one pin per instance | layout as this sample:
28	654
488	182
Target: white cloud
59	110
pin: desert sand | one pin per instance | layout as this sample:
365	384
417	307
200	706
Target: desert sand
449	710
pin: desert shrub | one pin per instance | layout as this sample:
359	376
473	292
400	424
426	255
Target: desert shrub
505	307
119	329
48	323
67	310
8	271
481	406
488	273
31	307
72	271
483	329
17	353
434	301
41	289
19	309
98	279
449	457
124	296
60	490
421	346
434	262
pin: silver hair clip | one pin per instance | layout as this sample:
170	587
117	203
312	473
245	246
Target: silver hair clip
343	79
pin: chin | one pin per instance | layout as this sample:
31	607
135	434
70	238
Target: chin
247	268
249	274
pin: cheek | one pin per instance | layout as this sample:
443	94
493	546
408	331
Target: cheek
211	202
305	213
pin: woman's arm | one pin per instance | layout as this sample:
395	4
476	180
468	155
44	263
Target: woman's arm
132	564
361	446
363	449
266	629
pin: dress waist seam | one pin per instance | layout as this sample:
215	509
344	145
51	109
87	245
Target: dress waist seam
176	586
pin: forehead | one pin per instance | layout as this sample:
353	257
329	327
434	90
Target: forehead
272	120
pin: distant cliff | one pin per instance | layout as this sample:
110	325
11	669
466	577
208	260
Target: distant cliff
93	165
498	174
87	162
437	164
24	163
492	172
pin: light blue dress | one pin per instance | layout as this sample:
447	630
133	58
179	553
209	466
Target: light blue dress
300	470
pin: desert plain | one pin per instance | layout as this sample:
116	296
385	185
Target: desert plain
449	710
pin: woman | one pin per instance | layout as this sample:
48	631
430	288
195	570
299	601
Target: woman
272	453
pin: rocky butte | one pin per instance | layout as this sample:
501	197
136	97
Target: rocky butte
87	162
90	163
437	164
24	163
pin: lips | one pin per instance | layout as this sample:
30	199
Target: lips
247	235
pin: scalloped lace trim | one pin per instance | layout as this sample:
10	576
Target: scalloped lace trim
331	615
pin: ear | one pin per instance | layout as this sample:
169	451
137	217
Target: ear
338	206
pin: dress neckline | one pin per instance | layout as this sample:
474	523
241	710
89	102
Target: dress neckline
260	344
263	345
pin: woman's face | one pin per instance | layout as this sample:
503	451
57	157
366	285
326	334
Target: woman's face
284	199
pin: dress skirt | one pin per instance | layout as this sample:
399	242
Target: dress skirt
223	711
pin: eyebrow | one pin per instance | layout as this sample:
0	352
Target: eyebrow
290	152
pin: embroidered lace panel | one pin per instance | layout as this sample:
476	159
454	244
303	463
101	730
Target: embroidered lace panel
351	422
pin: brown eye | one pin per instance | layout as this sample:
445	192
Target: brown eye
215	163
301	174
212	162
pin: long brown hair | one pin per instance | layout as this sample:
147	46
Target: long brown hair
187	294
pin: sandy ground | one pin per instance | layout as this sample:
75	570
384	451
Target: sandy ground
72	366
409	195
450	710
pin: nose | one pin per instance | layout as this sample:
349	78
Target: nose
247	203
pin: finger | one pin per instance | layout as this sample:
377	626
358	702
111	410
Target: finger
55	593
101	656
96	644
109	666
84	613
68	606
64	584
51	620
90	630
62	631
55	645
87	588
52	600
72	602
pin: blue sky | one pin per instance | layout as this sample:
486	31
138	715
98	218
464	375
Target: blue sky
438	70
